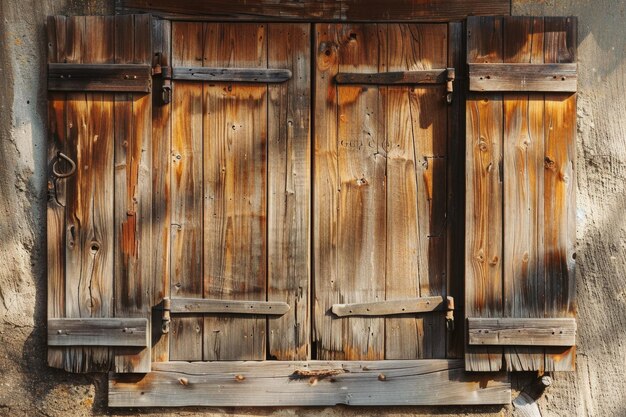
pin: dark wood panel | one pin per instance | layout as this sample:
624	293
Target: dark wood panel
103	77
244	75
522	332
317	11
98	332
430	76
523	77
313	383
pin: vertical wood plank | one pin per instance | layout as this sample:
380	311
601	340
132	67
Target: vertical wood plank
523	190
55	213
560	190
483	251
327	338
89	208
187	191
361	206
416	197
161	198
289	191
235	180
133	186
456	187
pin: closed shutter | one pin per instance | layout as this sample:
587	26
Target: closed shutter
520	211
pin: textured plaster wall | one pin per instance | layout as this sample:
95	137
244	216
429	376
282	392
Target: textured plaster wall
598	388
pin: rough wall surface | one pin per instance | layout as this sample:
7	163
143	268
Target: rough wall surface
598	388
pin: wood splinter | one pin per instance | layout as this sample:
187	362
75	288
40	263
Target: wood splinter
317	373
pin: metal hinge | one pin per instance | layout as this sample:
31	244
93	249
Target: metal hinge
164	73
450	76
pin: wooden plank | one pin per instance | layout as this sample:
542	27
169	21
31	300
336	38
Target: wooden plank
560	190
231	75
203	305
55	212
523	285
289	192
427	76
319	11
361	225
456	186
327	337
89	192
235	180
99	77
522	332
483	216
390	307
161	198
186	266
98	332
523	77
133	188
278	383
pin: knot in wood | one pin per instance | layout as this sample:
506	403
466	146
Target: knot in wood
549	164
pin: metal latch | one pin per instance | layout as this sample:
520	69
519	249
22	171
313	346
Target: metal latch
450	76
165	74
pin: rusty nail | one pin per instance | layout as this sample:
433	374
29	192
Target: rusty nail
183	381
239	378
382	377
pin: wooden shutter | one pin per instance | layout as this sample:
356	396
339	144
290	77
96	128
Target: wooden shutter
100	286
520	210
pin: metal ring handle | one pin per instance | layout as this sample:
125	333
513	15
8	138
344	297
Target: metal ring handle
61	155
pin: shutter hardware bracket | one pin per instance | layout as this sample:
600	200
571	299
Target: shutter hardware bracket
450	76
165	74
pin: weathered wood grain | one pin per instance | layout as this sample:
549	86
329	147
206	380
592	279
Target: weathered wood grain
317	11
234	75
523	283
133	276
426	76
203	305
483	207
55	210
522	332
390	307
523	77
327	337
98	332
161	198
186	154
234	245
361	226
289	192
100	77
277	383
560	190
89	193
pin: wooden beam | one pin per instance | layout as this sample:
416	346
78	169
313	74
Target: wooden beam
308	383
431	76
245	75
100	77
391	307
98	332
524	77
316	10
205	305
522	332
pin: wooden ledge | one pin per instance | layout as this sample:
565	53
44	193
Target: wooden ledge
523	77
308	383
100	77
522	332
98	332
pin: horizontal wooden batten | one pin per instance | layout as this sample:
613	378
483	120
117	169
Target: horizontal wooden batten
434	76
243	75
392	307
308	383
204	305
522	332
100	77
317	10
129	332
523	77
